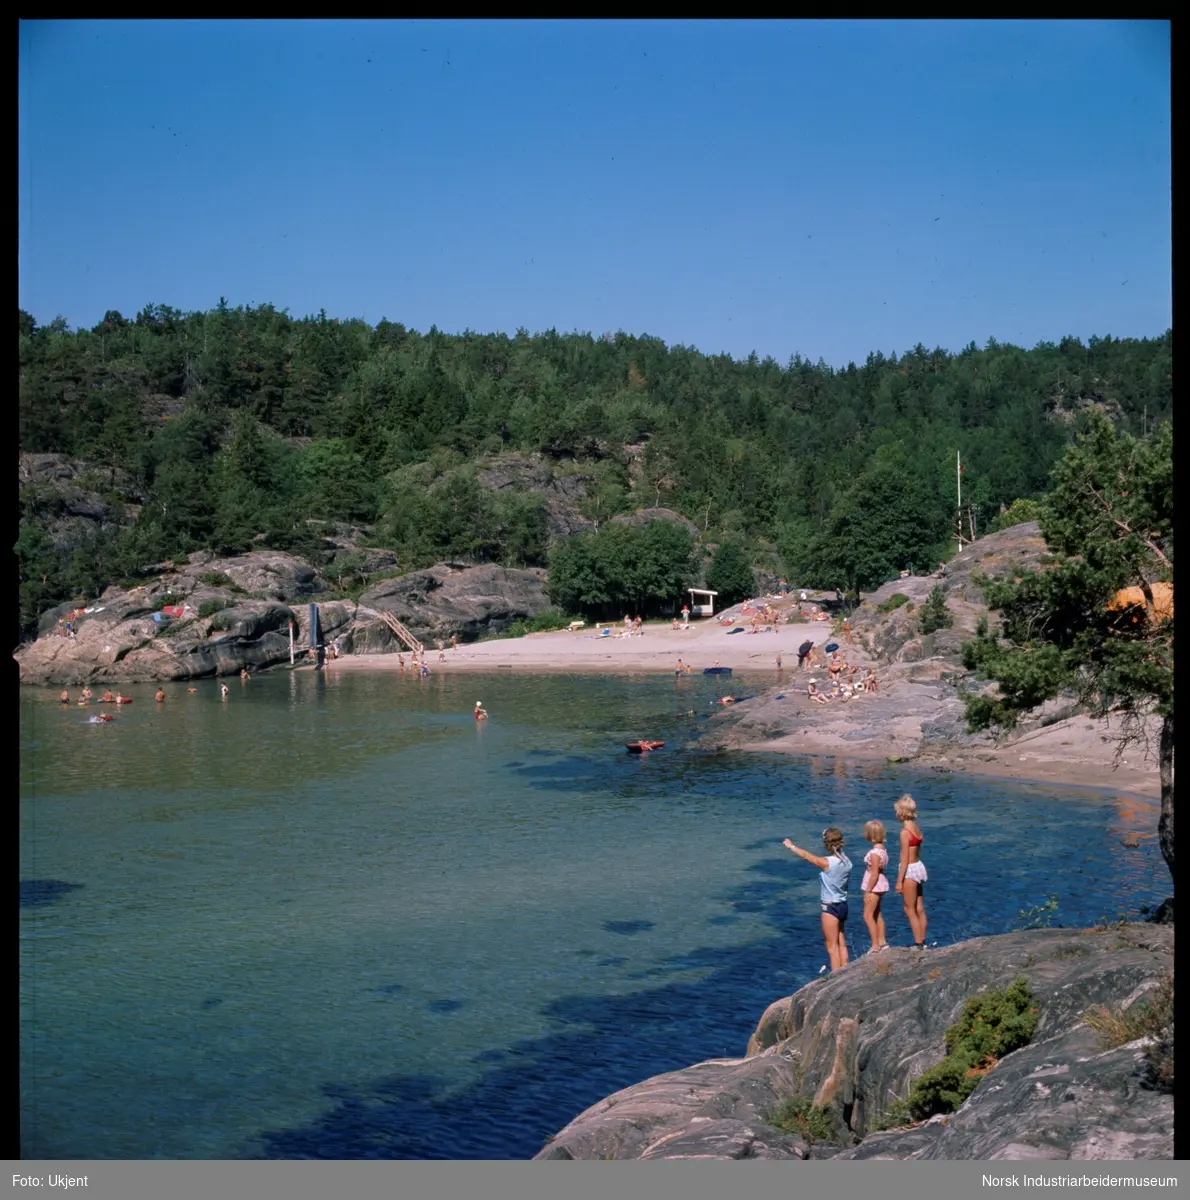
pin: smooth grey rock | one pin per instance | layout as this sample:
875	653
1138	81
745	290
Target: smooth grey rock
855	1040
467	601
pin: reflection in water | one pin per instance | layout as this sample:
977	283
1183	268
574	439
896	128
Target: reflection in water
339	917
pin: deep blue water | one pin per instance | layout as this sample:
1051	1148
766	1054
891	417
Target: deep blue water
339	919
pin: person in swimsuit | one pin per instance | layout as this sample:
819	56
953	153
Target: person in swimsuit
803	654
223	690
481	713
911	876
160	697
875	883
835	871
107	696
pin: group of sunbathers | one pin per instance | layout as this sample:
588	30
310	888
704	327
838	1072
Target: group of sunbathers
845	682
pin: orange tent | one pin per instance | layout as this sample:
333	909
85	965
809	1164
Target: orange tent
1132	596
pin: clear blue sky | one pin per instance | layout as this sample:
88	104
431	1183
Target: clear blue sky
826	188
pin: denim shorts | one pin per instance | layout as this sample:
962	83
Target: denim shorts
838	910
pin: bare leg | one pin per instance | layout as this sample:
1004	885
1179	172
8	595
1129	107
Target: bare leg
872	917
914	909
843	955
831	934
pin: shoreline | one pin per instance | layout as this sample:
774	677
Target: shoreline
888	727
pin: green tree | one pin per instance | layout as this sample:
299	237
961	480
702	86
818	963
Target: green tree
1109	522
934	613
730	574
888	520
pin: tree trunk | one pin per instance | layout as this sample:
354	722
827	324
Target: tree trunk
1165	824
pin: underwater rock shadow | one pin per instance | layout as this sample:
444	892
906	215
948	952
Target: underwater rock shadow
536	1086
36	893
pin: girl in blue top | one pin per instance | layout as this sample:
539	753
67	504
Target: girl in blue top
835	871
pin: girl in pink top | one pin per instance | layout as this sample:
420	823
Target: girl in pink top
875	883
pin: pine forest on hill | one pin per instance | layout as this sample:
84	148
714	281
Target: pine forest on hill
243	428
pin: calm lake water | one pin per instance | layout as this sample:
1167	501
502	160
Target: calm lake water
337	918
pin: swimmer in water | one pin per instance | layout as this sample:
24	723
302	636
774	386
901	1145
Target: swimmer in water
160	696
107	696
223	690
121	699
64	697
481	713
192	690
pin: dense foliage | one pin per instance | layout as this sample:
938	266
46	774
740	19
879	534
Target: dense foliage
1071	627
642	567
231	425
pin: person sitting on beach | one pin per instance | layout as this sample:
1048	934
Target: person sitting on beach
852	672
835	667
481	713
814	694
676	624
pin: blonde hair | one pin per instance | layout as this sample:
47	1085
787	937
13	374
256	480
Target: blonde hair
874	832
906	808
832	838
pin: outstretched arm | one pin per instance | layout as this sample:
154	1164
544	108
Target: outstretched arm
820	863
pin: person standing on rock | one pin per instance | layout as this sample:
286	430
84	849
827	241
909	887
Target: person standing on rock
835	871
875	883
803	653
911	876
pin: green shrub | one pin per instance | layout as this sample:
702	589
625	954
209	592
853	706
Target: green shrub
934	613
215	579
167	598
810	1121
1017	513
208	608
992	1025
544	622
1039	917
894	601
220	623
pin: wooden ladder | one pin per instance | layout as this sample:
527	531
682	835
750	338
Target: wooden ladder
405	636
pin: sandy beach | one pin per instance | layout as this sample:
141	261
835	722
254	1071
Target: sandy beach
702	644
1078	752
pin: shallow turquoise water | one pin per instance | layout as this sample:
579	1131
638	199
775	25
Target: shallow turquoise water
339	918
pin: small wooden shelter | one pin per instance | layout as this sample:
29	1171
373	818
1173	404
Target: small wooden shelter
702	607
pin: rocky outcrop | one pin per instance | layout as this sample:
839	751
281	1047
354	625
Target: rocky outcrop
466	601
855	1040
563	492
896	637
235	613
71	499
642	516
